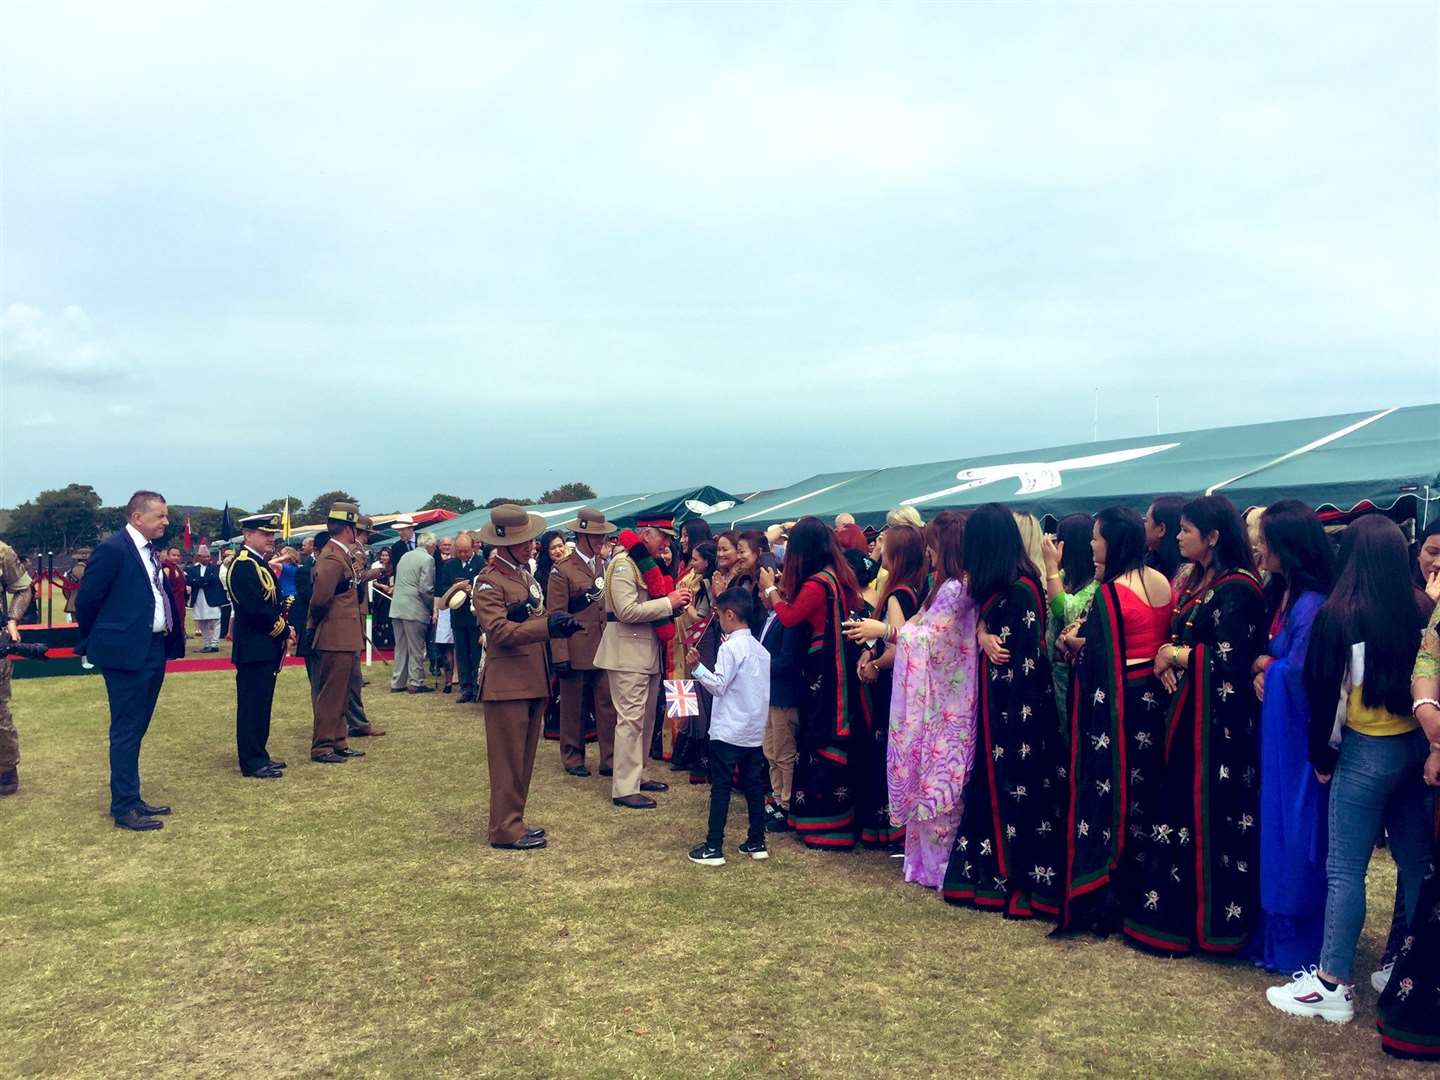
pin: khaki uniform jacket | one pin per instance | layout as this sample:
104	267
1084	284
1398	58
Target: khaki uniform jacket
334	618
629	642
15	586
516	667
359	564
570	580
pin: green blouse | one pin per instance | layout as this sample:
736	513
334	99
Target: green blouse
1427	662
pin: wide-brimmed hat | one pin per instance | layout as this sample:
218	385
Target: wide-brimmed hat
456	596
404	521
366	524
266	523
509	525
349	513
590	522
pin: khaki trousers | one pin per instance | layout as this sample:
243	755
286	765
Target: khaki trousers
779	747
572	738
512	731
328	694
634	694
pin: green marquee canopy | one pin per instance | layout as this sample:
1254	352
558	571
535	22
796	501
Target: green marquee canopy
1378	456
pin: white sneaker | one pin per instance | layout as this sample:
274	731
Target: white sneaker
1381	979
1305	995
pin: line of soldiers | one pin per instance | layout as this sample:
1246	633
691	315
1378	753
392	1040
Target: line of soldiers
596	615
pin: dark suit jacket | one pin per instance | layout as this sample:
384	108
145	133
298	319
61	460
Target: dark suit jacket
258	605
451	571
115	608
399	548
206	579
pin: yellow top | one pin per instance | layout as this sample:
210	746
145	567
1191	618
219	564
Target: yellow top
1362	718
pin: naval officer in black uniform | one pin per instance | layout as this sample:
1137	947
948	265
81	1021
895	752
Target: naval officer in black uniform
261	632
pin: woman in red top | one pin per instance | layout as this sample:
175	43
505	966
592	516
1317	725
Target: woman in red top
818	589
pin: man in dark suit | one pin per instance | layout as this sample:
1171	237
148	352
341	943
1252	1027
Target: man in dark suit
128	629
405	526
463	568
261	633
207	595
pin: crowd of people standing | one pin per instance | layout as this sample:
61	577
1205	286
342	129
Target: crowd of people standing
1187	728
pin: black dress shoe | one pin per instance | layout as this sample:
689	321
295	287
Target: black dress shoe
135	821
653	785
265	772
397	689
635	802
447	688
607	772
535	832
347	752
328	758
466	696
525	843
152	811
278	764
578	770
422	689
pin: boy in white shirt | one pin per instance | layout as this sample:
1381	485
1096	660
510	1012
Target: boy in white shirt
740	684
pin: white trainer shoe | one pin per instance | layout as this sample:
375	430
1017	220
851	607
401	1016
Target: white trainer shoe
1381	979
1305	995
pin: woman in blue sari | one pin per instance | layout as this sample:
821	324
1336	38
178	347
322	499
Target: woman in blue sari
1294	550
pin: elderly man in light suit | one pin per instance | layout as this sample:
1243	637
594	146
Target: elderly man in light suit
630	652
412	609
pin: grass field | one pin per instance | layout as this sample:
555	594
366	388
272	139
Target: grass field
350	921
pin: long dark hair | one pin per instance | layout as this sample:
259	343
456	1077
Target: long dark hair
1217	514
1077	564
1373	601
706	550
693	532
1433	529
905	559
1297	539
1165	556
812	548
945	540
1123	531
543	562
995	555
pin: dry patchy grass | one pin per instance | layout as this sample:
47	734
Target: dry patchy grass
350	921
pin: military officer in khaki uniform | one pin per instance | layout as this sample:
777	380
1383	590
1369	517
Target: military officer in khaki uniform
336	636
15	594
510	608
357	724
576	586
630	652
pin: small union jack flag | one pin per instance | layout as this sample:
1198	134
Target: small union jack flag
680	699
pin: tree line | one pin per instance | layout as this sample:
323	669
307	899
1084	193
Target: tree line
63	519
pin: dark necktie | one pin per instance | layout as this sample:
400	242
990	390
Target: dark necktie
159	580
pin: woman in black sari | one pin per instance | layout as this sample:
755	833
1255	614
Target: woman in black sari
819	591
1117	726
1199	886
1003	858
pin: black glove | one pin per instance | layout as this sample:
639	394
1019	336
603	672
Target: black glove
580	603
561	668
563	624
518	612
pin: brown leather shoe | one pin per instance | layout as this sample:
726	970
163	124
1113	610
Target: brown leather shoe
635	802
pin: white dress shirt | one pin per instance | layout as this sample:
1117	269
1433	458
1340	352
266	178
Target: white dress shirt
741	685
152	569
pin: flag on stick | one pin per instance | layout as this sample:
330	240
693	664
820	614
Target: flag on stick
680	698
226	529
185	539
285	522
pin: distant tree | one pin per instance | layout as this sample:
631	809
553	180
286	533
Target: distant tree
57	520
449	502
318	509
498	500
568	493
275	506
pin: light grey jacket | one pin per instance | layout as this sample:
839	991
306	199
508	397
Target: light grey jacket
414	587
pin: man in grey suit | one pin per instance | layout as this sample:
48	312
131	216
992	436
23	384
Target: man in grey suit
412	609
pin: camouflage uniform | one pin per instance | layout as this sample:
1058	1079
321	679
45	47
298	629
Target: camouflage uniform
15	588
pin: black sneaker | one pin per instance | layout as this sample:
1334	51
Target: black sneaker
705	855
756	849
776	820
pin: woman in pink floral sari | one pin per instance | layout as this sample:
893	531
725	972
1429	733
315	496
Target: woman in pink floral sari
932	709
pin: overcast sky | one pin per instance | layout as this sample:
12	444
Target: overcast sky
487	248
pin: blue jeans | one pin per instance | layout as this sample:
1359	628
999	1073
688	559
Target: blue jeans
1378	781
132	697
